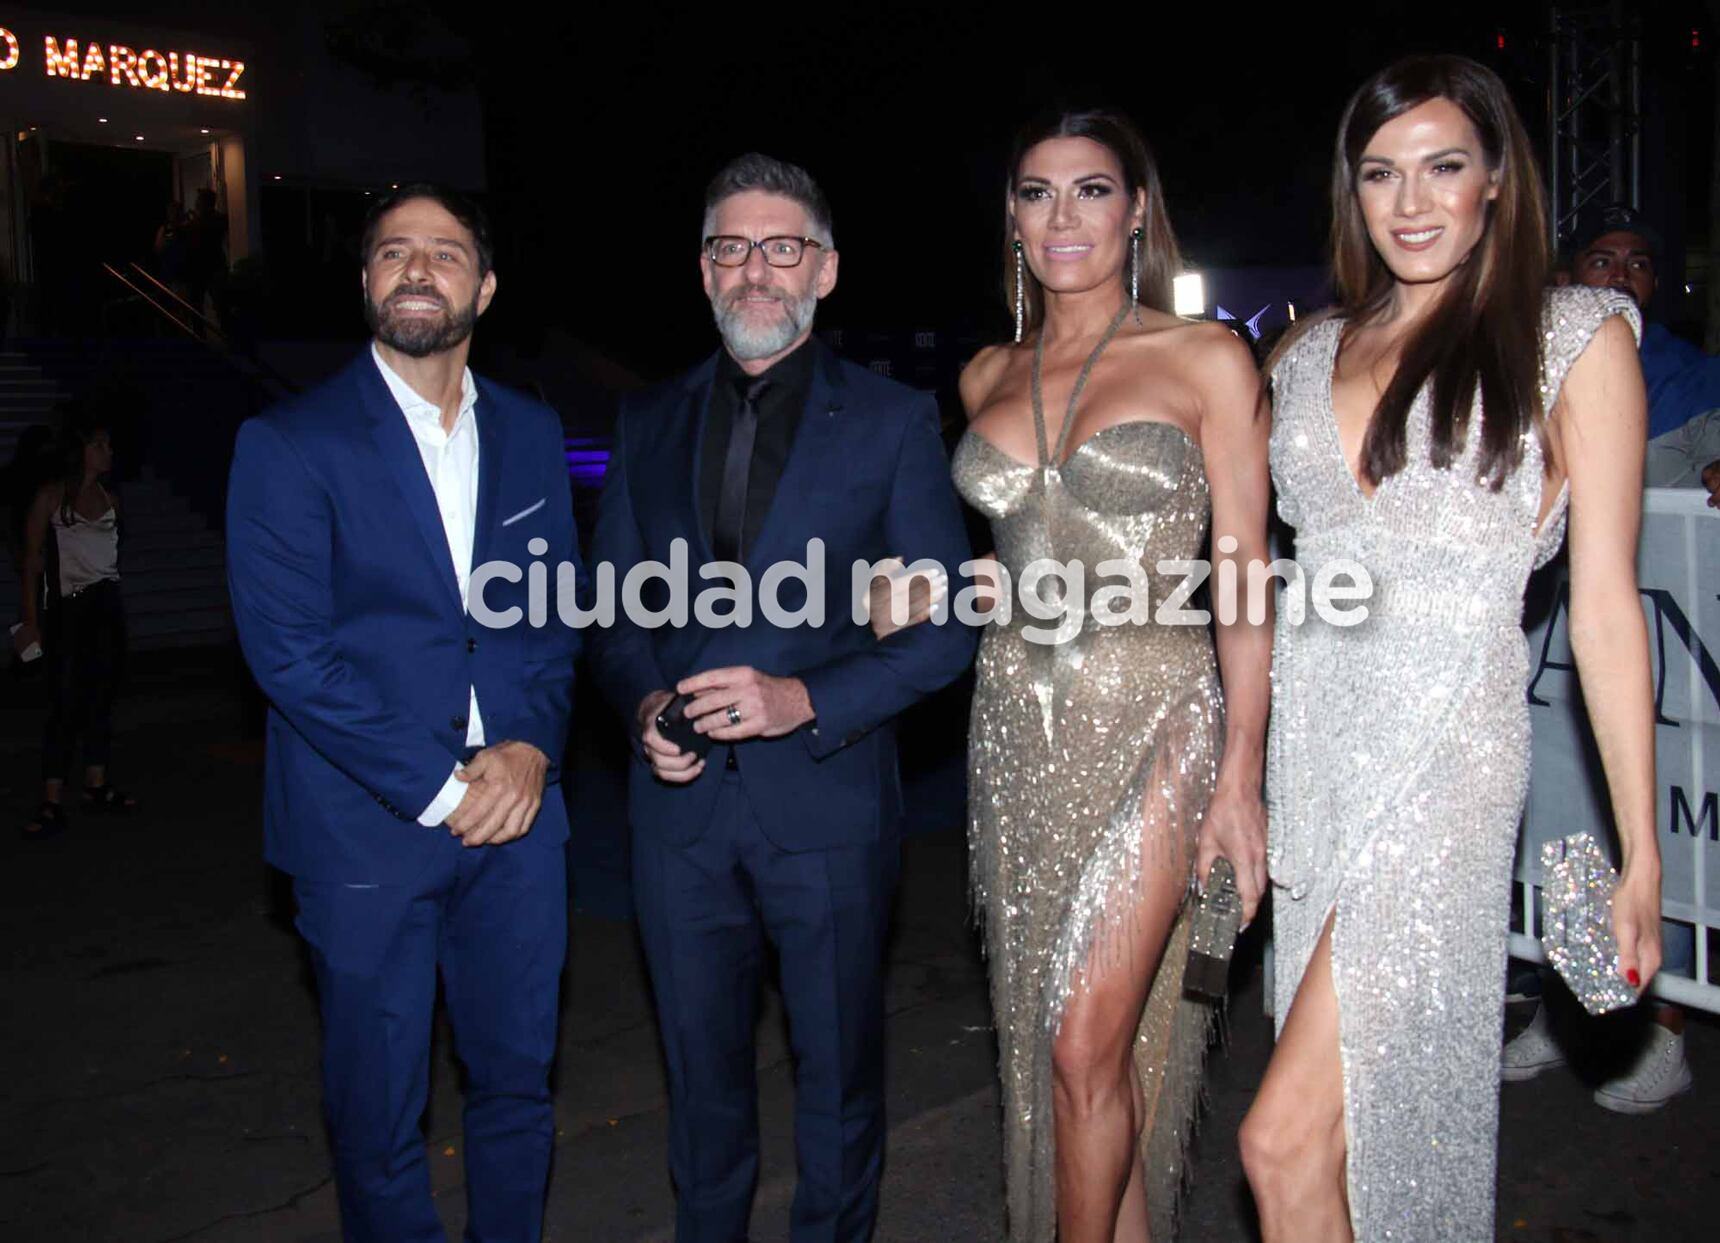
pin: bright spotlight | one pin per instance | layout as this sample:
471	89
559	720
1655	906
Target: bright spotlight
1189	293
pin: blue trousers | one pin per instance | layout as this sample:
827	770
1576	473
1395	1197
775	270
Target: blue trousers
494	921
707	911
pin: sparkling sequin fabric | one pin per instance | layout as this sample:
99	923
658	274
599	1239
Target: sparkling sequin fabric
1397	766
1090	761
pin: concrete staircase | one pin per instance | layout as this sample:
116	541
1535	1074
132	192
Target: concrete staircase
27	395
172	566
172	572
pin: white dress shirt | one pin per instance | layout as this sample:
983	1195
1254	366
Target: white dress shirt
451	462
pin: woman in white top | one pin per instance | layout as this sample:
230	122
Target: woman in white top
71	540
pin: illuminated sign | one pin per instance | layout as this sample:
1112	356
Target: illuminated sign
188	73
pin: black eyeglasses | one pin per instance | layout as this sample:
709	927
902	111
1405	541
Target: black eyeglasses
727	251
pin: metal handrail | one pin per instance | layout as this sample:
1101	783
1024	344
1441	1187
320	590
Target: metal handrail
203	319
212	338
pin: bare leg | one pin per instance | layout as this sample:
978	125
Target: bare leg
1293	1143
1097	1106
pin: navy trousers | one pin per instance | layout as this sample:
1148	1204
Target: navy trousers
707	912
494	920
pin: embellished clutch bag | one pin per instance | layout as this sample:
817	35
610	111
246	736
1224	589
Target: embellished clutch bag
1577	931
1212	934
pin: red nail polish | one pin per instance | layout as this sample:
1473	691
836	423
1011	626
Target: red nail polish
1632	977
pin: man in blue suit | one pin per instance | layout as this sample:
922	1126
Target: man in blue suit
409	748
786	833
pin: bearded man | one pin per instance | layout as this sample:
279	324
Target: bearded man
773	824
413	755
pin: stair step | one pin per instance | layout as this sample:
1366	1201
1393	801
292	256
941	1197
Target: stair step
149	625
174	578
162	521
145	601
140	561
216	636
142	537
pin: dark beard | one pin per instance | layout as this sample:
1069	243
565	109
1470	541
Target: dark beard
419	338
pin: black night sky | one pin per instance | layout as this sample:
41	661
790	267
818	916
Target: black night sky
602	126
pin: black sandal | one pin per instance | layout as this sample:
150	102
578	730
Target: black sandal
108	799
50	821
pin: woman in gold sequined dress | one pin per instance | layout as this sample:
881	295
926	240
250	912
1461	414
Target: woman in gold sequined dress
1106	764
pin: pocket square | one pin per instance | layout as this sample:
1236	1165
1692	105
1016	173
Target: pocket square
527	512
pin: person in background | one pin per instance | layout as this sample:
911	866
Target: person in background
1615	248
72	529
206	262
173	243
22	476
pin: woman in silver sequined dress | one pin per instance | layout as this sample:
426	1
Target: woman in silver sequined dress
1104	763
1432	430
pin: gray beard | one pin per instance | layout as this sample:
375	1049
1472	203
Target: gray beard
748	342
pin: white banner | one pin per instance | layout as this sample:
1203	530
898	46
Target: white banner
1678	574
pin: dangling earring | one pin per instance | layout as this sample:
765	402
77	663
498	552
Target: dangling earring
1135	273
1020	290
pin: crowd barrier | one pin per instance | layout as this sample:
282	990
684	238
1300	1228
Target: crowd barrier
1678	576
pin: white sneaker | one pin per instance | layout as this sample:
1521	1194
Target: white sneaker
1531	1051
1658	1074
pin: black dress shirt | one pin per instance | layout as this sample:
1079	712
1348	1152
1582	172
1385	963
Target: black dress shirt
779	410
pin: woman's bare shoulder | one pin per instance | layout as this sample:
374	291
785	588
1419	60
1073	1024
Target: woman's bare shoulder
981	376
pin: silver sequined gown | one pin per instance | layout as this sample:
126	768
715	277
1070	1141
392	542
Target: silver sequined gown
1397	766
1089	761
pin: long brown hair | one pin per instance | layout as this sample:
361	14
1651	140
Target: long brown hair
1160	259
81	421
1485	331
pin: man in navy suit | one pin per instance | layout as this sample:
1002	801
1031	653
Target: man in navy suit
786	833
409	748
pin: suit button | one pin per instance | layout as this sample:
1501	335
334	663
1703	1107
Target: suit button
458	722
471	646
731	763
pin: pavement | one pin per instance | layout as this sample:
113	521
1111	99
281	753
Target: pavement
161	1035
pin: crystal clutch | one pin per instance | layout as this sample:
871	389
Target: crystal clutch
1212	934
1577	932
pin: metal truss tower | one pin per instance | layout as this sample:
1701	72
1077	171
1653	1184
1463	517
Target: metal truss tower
1594	110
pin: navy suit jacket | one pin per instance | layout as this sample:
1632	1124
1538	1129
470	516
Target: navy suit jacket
867	475
349	613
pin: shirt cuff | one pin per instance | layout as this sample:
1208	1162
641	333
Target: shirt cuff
446	800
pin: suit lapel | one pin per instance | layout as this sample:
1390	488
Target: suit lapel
399	451
814	440
492	447
682	464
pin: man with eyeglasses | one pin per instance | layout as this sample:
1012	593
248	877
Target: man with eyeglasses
785	833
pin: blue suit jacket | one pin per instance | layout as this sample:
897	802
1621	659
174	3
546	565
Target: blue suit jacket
349	613
868	476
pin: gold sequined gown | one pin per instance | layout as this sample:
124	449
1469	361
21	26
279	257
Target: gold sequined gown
1397	764
1090	761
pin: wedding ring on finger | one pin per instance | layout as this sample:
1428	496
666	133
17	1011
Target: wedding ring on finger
734	715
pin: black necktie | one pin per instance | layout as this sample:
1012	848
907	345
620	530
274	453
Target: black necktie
728	530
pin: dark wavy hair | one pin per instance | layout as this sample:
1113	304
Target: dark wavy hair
1483	335
457	205
1160	258
80	420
